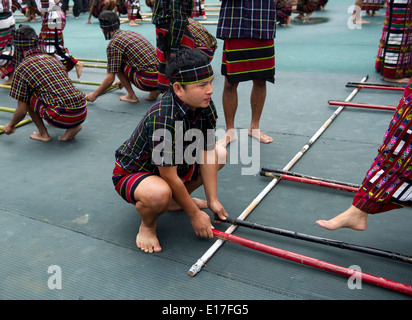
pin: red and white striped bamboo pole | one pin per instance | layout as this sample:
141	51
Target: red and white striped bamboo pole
316	263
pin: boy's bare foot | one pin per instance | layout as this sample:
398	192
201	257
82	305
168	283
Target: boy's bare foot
8	81
353	218
401	80
128	98
133	23
359	20
152	95
38	136
146	239
71	133
79	67
259	135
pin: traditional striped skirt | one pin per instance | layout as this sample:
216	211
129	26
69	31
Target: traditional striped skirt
394	58
248	59
59	117
133	10
373	5
7	25
161	49
198	8
125	183
388	183
143	80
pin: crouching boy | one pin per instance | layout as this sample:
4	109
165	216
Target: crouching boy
172	152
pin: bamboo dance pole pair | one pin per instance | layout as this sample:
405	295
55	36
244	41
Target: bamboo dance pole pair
320	240
360	105
288	255
378	86
312	180
197	267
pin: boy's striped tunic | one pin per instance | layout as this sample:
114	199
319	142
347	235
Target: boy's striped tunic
387	184
42	81
131	53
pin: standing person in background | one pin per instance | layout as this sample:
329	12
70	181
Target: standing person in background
199	9
7	25
203	39
357	13
394	58
171	18
248	29
51	35
371	6
133	12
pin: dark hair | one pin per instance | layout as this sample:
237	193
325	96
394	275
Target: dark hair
27	31
109	16
185	58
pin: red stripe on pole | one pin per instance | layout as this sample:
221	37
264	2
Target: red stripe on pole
319	183
360	105
368	86
288	255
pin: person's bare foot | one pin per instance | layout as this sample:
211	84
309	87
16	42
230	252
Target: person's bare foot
79	68
353	218
8	81
259	135
359	20
38	136
133	23
146	239
200	203
229	137
128	98
401	80
70	133
152	95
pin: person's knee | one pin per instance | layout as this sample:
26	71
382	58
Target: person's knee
159	199
260	83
